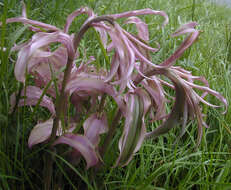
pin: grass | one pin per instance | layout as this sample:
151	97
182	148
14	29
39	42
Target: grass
158	165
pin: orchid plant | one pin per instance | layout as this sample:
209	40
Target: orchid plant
136	84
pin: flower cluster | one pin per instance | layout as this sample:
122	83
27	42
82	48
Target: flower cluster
136	84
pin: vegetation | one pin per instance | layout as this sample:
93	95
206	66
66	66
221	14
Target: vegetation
161	163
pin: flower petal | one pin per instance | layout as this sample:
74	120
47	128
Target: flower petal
134	130
187	28
141	26
94	86
33	95
70	18
40	40
94	126
177	110
212	92
42	131
81	144
24	20
141	12
156	91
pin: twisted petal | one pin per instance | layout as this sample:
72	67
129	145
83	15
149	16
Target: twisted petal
141	26
187	28
42	131
31	50
94	126
134	129
212	92
24	20
186	102
70	18
142	12
140	43
81	144
156	91
33	95
177	110
125	56
93	86
36	25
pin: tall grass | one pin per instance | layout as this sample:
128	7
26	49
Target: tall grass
159	164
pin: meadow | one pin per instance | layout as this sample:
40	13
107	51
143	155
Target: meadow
159	164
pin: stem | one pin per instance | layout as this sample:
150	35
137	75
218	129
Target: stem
87	25
111	132
102	103
149	73
48	163
60	106
17	99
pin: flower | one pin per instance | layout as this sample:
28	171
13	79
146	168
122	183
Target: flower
133	82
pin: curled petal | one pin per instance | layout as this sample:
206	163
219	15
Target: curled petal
82	145
212	92
33	95
144	98
140	43
115	63
177	110
184	123
156	91
20	66
42	131
93	86
188	28
32	22
31	50
142	12
126	57
94	126
143	58
141	26
43	39
134	130
70	18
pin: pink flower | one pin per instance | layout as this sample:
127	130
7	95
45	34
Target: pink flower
135	84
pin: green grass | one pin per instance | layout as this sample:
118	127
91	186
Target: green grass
158	165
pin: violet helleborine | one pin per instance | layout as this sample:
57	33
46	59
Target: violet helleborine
136	84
